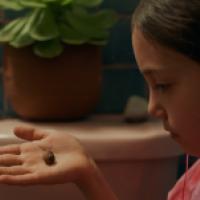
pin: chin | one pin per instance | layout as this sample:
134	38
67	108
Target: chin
191	151
174	136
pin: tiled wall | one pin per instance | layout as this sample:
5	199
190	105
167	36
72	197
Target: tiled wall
121	78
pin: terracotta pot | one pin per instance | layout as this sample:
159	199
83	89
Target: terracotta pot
66	87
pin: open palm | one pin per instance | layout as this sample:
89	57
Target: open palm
24	164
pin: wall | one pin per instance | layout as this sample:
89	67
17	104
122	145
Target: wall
121	76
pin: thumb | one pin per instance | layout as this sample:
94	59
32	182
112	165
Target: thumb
29	133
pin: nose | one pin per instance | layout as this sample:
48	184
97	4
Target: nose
155	108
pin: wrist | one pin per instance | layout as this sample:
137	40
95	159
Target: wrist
88	171
93	184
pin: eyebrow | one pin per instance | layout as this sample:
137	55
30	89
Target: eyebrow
151	71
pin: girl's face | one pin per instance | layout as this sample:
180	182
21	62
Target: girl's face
174	90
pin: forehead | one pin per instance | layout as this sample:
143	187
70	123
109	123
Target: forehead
150	54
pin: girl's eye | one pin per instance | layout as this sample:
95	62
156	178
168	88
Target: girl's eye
161	87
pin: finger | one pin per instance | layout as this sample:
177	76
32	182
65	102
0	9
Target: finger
10	149
10	160
15	170
29	133
25	179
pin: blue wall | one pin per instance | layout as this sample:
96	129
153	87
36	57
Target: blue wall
121	76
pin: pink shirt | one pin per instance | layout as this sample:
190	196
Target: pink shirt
192	185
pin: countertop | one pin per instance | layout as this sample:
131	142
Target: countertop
107	137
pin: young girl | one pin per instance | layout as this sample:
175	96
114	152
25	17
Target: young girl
166	42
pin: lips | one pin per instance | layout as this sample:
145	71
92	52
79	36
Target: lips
173	135
167	128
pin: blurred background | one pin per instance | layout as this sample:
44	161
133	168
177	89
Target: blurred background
121	78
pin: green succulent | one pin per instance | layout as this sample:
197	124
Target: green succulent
48	24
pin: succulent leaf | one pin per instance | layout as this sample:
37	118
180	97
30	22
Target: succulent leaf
11	4
9	31
88	3
82	22
71	36
32	3
54	22
44	26
66	2
48	49
23	37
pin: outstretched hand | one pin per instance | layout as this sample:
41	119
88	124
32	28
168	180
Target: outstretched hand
23	164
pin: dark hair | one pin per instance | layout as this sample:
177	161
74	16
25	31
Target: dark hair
172	23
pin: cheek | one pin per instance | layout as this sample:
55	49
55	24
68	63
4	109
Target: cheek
188	131
184	110
186	123
186	119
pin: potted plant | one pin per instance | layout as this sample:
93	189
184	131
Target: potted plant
52	59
